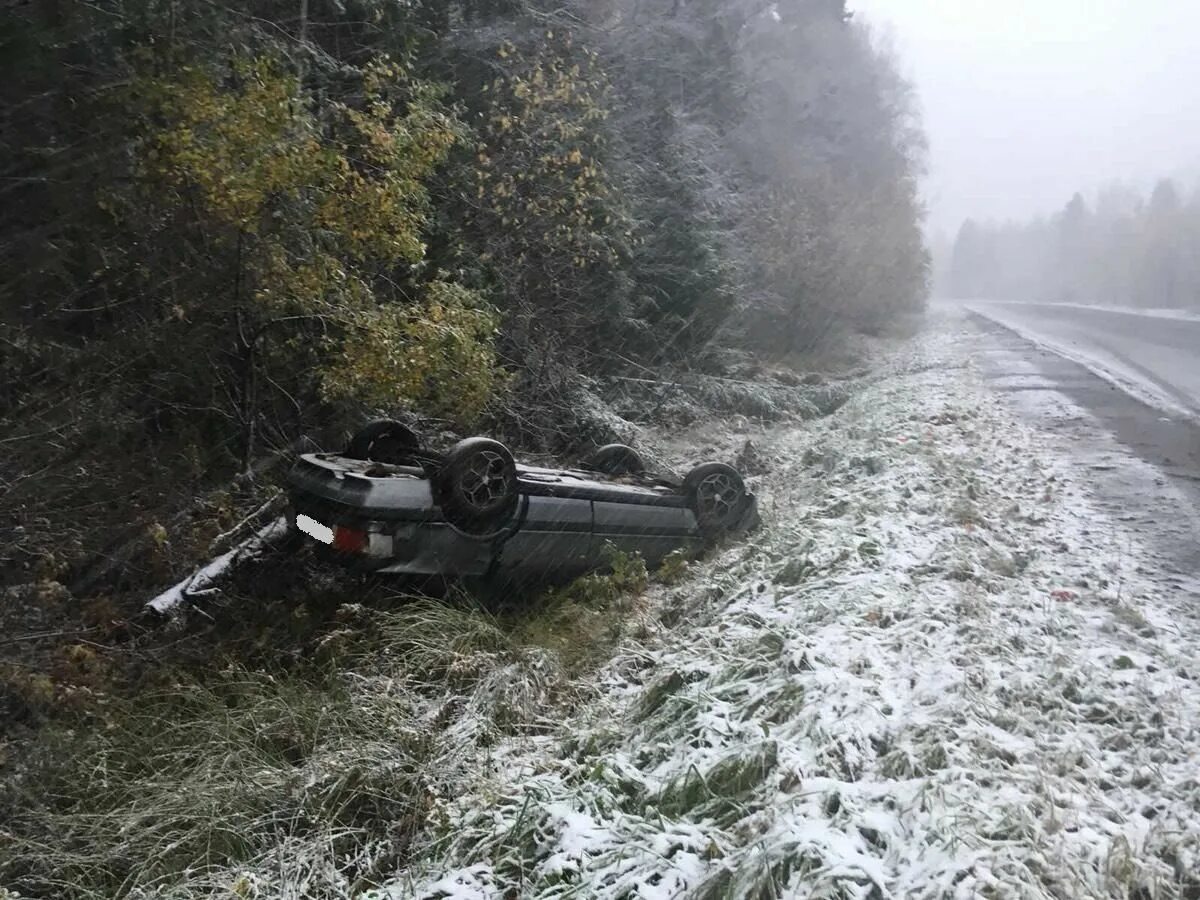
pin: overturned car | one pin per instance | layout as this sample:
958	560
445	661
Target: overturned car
390	505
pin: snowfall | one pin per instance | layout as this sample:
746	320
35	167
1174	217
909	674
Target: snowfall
938	670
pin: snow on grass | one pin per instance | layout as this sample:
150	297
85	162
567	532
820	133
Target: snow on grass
938	671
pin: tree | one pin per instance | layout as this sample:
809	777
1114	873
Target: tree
970	267
1125	250
238	222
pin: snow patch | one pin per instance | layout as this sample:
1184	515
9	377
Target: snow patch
1183	315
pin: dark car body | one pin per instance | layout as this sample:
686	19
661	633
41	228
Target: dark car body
388	518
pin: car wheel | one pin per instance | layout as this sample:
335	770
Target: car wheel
385	441
617	459
477	485
717	496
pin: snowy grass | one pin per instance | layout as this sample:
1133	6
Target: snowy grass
189	782
938	672
306	782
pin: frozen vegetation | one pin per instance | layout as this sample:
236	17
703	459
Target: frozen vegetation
937	672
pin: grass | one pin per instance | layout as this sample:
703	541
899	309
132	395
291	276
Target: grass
717	793
174	791
315	778
581	622
206	777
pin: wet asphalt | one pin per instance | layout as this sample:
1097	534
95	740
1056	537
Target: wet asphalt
1153	350
1161	500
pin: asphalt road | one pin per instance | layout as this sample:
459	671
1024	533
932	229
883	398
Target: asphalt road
1107	429
1152	355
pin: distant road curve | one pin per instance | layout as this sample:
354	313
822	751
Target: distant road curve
1155	357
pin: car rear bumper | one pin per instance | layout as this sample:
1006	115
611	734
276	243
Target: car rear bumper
421	548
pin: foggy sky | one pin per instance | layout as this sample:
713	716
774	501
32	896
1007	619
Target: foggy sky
1027	101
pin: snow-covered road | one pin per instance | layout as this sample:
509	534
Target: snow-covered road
1153	355
940	670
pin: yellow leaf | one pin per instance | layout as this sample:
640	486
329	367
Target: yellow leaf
158	534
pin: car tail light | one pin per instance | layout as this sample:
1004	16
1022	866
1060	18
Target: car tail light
349	540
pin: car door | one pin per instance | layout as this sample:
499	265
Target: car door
554	535
649	529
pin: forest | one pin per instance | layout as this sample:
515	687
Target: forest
224	224
1121	249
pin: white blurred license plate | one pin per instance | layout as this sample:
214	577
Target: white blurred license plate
314	529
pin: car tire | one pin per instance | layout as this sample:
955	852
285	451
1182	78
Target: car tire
477	485
717	496
385	441
617	459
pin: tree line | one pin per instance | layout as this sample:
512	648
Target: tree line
1122	249
221	216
